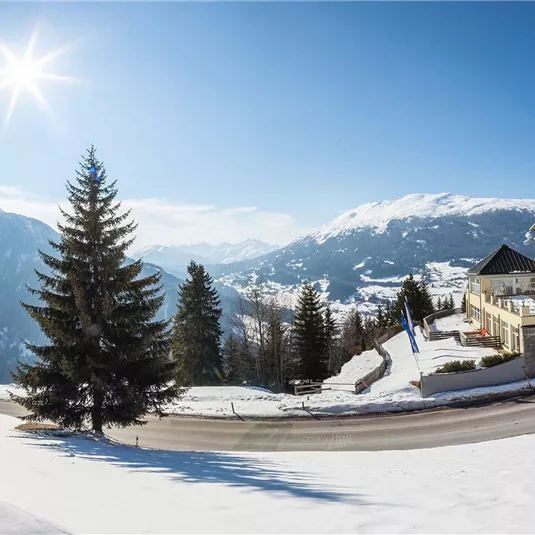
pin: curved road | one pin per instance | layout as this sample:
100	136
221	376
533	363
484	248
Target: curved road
402	431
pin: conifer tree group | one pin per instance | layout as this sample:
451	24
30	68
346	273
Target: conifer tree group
417	294
108	361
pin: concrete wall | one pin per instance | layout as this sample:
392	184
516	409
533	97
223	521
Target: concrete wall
508	372
528	335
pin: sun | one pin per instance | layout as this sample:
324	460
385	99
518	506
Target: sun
22	74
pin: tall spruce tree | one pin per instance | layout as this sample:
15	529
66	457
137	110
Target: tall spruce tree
439	303
332	345
230	360
381	320
451	302
309	335
419	298
106	361
197	331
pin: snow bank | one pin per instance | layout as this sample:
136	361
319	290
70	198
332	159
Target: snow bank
15	521
357	368
480	488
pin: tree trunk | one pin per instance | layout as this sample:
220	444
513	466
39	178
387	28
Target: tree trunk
96	413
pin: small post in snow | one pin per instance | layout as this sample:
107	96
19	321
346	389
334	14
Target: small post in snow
303	404
137	441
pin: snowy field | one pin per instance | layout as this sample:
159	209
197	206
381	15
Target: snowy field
393	393
87	486
455	322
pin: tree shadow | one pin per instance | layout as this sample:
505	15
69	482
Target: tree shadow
233	470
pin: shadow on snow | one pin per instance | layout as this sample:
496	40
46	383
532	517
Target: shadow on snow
229	469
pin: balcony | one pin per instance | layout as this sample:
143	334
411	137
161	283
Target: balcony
522	305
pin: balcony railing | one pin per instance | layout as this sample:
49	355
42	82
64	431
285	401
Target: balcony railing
522	307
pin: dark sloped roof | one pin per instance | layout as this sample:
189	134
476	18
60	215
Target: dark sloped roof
503	261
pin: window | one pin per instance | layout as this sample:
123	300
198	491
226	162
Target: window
496	330
525	285
476	313
502	286
505	333
475	287
516	340
488	324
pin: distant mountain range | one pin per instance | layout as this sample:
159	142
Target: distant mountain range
360	257
363	255
175	258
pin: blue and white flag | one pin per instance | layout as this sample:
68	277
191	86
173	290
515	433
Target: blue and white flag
409	317
412	339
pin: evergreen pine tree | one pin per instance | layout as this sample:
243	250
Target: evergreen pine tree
309	335
463	304
331	342
425	303
381	320
106	361
410	291
451	302
439	303
389	315
197	332
419	298
230	360
352	335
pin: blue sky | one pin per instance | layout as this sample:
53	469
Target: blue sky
302	110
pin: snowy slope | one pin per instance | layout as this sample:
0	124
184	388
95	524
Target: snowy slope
378	215
87	486
357	368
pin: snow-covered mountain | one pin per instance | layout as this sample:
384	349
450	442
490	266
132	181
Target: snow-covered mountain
364	254
20	239
175	258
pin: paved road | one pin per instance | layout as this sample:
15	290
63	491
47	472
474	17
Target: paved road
406	431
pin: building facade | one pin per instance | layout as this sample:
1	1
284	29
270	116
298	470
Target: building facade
500	298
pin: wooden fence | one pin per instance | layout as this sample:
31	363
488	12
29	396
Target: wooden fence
477	340
309	388
440	335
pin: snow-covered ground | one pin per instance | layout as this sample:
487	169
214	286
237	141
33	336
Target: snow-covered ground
98	487
392	393
358	367
455	322
434	354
